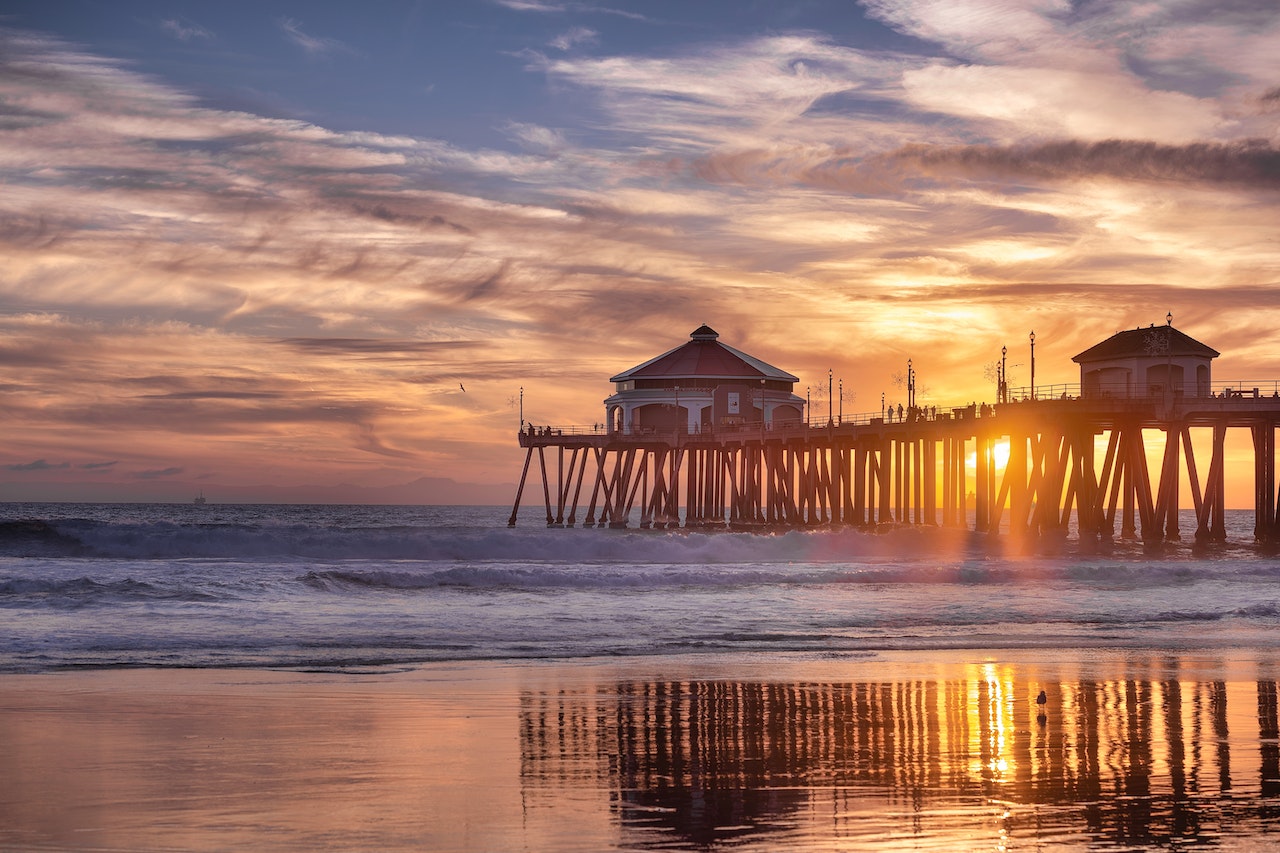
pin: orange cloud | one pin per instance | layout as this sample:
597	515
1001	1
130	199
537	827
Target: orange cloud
220	296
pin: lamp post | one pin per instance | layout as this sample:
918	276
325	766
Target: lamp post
882	405
679	429
808	405
522	408
1033	364
911	387
830	419
1002	389
841	401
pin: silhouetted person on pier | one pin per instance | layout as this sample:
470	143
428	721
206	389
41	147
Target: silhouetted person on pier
899	411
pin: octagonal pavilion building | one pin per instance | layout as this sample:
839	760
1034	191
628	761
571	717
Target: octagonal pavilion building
1147	363
702	386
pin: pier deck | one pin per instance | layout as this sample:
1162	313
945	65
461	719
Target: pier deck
1021	467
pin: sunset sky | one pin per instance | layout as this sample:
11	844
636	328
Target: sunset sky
260	249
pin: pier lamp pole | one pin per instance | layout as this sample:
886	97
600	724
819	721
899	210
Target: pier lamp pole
1033	364
841	401
808	405
881	405
1002	393
830	420
678	427
911	387
522	408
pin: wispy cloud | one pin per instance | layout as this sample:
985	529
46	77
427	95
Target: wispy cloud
377	347
533	6
549	7
317	46
1252	163
38	465
536	137
156	474
574	37
916	167
184	30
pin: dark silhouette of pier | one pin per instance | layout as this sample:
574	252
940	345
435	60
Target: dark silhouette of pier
1083	451
914	471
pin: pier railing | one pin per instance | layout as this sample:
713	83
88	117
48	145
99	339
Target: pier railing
894	414
1149	391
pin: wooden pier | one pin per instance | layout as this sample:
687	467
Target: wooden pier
1083	455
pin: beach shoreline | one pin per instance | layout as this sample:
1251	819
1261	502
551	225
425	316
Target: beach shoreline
674	751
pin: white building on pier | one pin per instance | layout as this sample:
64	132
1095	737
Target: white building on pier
1147	363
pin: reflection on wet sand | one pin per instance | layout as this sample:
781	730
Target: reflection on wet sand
1153	760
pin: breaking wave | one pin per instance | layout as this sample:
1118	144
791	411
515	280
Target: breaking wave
647	576
170	585
168	539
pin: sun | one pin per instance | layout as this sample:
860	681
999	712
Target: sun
1000	450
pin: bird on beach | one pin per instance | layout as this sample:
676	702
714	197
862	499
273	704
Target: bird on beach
1041	701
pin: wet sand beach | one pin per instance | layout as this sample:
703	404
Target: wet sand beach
938	751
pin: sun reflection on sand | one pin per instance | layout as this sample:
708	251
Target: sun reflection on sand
1140	759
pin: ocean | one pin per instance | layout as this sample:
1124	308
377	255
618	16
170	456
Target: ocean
404	678
357	587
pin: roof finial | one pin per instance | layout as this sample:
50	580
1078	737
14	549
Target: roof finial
1168	319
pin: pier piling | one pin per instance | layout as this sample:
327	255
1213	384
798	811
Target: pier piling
918	471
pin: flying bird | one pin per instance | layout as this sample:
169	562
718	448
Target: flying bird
464	390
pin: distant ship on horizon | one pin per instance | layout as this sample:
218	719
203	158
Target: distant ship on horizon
199	500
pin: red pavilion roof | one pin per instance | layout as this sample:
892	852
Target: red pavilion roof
704	357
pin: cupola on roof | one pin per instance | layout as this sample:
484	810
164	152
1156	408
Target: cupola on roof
704	357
